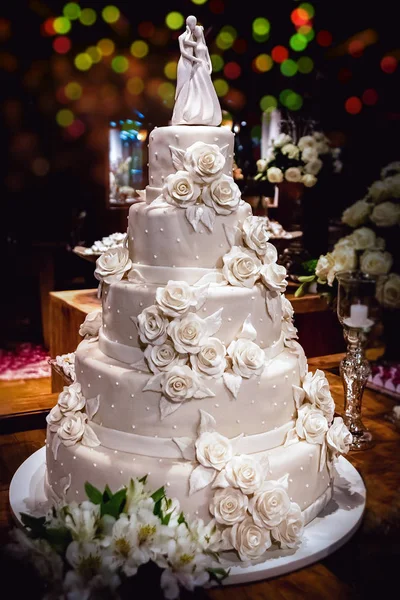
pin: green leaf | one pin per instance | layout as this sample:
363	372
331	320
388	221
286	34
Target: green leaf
115	505
143	479
158	494
306	278
59	538
166	519
93	493
157	509
301	290
218	574
107	494
181	519
35	524
310	265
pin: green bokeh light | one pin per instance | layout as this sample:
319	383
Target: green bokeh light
83	62
294	101
110	14
139	48
120	64
260	38
88	16
174	20
305	64
289	68
65	117
261	26
268	103
221	87
308	8
284	94
199	2
298	42
166	90
73	90
170	69
72	10
62	25
94	53
226	37
217	62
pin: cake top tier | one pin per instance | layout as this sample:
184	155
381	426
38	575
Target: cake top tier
196	101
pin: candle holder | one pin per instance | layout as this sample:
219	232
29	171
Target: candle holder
357	311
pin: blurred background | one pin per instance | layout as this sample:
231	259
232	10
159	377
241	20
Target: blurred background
79	77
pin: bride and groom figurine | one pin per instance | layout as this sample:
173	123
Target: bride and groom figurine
196	102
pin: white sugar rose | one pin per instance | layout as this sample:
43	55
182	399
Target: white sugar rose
229	506
289	330
309	180
261	164
376	262
306	141
291	151
273	277
287	308
249	540
290	530
188	334
293	174
223	195
247	357
325	269
270	505
179	384
271	254
282	139
274	175
164	357
313	166
152	326
345	257
91	324
179	190
54	418
112	265
176	298
213	450
311	424
309	153
204	162
256	234
357	213
316	387
363	238
72	429
246	473
388	291
241	267
71	399
386	214
338	437
210	361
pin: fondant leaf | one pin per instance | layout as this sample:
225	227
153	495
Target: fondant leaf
193	215
224	150
154	383
291	437
186	446
207	423
167	407
284	481
200	293
140	365
92	406
298	395
203	392
232	382
135	276
270	303
208	217
248	331
225	542
142	195
177	158
134	321
65	484
322	458
214	322
55	445
214	277
221	481
99	289
200	478
233	235
90	438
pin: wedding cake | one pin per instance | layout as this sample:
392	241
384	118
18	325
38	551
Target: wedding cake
192	373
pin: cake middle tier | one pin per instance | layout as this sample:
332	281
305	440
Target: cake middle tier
265	403
123	300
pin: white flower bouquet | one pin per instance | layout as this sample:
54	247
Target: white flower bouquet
101	547
299	161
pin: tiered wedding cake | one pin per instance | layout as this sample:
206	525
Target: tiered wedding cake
192	373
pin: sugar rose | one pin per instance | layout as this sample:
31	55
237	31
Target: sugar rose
179	190
250	540
164	357
152	326
210	361
246	473
223	195
91	324
71	399
287	308
112	265
316	387
229	506
270	505
176	298
376	262
386	214
179	384
338	437
273	277
357	213
241	267
311	424
290	530
388	291
72	429
204	162
256	234
247	357
188	334
213	450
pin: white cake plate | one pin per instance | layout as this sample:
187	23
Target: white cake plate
326	533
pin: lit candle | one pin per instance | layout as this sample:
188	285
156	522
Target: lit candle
358	314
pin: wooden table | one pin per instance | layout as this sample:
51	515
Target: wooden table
318	327
365	567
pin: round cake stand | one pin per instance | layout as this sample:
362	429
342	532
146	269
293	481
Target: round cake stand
326	533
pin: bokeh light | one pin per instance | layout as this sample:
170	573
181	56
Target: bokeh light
294	101
307	31
139	48
232	70
389	64
61	45
263	63
146	29
261	26
299	16
166	91
40	166
344	75
170	69
106	47
226	37
110	14
298	42
217	62
135	86
256	133
370	97
268	103
76	128
120	64
221	87
216	7
289	67
48	26
73	90
279	53
72	10
61	25
199	2
356	48
174	20
353	105
88	16
305	64
83	62
324	38
64	117
94	54
308	8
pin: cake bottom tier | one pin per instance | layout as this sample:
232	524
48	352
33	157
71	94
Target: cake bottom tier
309	486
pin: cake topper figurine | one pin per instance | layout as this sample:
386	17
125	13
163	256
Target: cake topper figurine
196	101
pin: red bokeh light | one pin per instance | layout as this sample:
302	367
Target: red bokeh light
389	64
48	27
279	54
240	46
324	38
344	75
370	97
356	48
299	17
353	105
146	29
60	95
232	70
217	7
62	44
76	128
